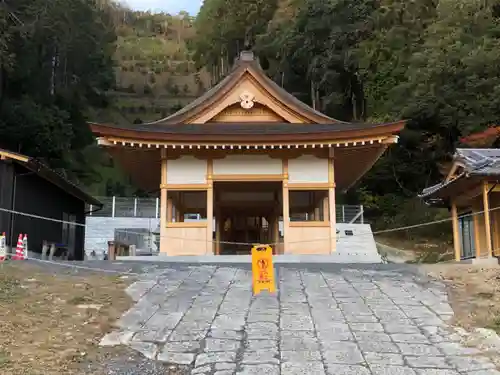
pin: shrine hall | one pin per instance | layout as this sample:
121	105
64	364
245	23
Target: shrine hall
247	163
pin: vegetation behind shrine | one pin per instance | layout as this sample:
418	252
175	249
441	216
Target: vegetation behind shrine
433	62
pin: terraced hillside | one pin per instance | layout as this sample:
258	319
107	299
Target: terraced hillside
155	75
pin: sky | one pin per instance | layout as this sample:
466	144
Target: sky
169	6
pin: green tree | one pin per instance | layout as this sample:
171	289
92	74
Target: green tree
60	65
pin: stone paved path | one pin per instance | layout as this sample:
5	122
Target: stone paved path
342	321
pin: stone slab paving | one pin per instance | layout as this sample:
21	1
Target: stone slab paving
343	321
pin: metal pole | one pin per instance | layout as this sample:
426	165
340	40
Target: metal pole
90	213
343	213
113	206
157	208
135	207
362	215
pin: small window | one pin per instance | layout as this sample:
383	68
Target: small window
308	205
187	206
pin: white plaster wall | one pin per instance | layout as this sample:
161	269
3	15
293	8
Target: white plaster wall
307	168
247	164
186	170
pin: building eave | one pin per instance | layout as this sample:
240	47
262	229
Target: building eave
207	133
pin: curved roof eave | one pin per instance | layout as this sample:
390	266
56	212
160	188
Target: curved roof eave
287	132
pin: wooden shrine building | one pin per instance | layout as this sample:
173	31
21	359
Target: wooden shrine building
247	163
471	190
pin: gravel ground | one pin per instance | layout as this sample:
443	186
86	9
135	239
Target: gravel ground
125	361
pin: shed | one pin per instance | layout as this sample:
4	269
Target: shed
37	201
471	190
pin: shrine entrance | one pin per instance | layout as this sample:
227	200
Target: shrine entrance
247	213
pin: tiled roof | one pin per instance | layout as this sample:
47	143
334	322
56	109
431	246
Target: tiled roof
479	161
475	162
246	128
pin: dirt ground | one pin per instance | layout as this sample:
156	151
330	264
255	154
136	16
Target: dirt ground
474	293
415	251
51	321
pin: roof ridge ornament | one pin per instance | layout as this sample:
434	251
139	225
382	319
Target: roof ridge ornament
247	100
247	55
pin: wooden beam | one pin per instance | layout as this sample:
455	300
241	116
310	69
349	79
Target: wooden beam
331	205
456	237
186	187
12	155
210	207
475	221
286	206
163	202
487	223
247	177
310	186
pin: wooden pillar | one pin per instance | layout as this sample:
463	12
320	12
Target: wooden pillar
487	223
325	210
210	208
286	206
276	233
456	238
170	205
163	202
218	231
331	201
477	232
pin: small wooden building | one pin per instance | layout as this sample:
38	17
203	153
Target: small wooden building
251	164
471	191
35	200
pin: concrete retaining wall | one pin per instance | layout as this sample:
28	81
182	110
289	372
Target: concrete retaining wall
100	230
360	247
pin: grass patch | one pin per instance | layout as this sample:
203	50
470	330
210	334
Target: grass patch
53	322
4	358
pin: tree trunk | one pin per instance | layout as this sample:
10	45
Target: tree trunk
313	95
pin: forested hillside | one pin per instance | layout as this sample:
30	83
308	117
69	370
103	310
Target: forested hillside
433	62
155	74
56	62
65	62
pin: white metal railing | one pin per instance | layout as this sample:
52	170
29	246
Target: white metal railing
350	214
126	207
150	208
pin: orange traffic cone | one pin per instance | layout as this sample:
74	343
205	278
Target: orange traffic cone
19	248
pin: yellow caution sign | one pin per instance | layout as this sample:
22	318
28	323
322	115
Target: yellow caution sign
262	269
